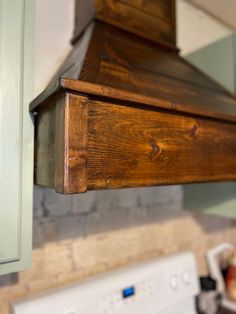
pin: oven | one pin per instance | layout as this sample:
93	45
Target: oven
163	286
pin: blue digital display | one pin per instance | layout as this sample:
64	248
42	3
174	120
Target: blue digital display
128	292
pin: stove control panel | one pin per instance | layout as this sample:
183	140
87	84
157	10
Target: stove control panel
164	286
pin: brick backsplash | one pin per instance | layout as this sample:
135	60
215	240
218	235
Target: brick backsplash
78	236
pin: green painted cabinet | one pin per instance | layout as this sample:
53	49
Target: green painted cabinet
218	60
16	133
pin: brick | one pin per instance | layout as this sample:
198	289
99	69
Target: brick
45	230
57	260
56	204
37	271
79	236
152	197
42	286
84	203
8	280
38	205
70	227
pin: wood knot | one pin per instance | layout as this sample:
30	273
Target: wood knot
194	129
156	150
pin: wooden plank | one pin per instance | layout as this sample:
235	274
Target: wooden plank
136	3
225	112
158	8
132	147
102	91
140	54
186	97
85	145
153	21
75	149
225	311
58	125
61	144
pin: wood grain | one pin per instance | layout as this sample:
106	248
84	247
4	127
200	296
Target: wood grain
126	111
85	144
61	144
225	311
134	69
225	111
124	61
130	147
75	149
152	19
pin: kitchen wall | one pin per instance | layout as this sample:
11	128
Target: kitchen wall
78	236
196	28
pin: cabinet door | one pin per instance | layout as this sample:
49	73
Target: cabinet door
16	133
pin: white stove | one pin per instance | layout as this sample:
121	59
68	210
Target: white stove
163	286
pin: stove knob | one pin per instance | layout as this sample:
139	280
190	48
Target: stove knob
186	277
174	282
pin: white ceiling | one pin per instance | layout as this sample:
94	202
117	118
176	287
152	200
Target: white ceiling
224	10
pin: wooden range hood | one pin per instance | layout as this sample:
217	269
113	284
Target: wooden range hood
125	110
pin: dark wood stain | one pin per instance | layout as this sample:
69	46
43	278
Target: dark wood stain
137	147
76	138
225	311
125	110
106	145
152	19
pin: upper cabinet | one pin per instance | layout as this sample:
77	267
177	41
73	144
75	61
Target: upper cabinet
125	110
16	133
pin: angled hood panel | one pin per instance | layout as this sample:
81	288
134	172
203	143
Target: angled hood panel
114	58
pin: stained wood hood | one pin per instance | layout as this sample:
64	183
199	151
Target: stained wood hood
126	110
